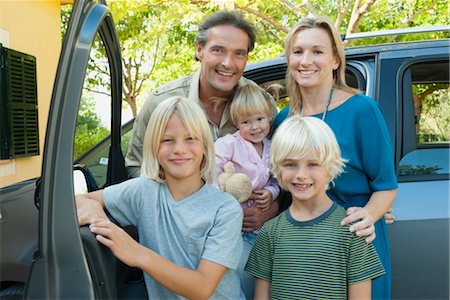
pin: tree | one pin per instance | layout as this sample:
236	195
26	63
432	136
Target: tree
89	128
157	36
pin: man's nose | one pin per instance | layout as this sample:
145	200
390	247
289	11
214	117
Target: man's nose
227	60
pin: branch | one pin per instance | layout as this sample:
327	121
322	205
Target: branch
309	6
98	92
413	17
264	17
292	8
342	12
357	14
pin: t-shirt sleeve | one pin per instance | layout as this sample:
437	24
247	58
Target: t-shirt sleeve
377	157
123	201
364	263
259	263
224	242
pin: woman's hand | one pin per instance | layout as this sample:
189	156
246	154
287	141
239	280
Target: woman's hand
122	245
389	218
365	227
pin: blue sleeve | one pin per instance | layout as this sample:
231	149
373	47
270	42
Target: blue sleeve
376	149
281	116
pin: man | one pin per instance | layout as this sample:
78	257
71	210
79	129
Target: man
222	45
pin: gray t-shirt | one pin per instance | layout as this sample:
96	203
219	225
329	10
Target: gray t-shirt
204	225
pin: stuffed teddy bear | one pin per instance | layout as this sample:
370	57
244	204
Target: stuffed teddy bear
236	184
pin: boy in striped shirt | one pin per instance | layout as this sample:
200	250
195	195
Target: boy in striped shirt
304	253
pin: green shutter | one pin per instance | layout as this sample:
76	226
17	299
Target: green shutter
19	109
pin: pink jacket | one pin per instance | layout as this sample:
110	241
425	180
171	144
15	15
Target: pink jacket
234	148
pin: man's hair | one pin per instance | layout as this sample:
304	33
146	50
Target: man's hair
249	100
225	17
298	137
194	119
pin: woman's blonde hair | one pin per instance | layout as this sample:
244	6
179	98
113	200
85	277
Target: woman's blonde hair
324	23
194	120
249	100
298	137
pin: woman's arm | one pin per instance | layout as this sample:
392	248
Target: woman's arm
193	284
379	203
360	290
262	289
90	207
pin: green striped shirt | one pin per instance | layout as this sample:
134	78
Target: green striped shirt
316	259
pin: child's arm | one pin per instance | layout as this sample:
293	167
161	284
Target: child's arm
360	290
193	284
90	207
263	199
262	289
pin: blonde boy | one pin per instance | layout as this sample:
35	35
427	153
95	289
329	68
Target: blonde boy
305	252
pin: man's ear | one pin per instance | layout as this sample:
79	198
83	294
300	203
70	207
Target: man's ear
198	51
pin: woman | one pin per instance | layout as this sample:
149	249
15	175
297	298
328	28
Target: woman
315	82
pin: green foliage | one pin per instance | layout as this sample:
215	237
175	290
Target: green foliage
408	170
434	123
89	128
157	36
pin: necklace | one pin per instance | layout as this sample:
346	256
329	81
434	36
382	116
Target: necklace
326	108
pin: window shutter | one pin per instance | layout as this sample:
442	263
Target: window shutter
19	108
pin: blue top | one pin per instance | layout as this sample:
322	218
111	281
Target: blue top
363	137
204	225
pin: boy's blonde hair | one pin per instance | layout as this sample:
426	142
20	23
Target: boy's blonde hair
298	137
196	123
249	100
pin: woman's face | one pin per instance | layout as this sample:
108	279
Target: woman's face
311	58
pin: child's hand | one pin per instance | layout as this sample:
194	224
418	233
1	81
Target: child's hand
263	198
123	246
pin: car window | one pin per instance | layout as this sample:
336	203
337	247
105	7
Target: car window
428	123
94	116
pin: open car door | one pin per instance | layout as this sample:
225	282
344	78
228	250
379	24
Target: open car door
69	263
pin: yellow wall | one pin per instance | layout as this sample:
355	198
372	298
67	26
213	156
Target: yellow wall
33	27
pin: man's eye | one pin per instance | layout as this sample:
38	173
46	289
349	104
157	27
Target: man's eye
241	54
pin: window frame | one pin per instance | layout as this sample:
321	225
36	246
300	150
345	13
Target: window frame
406	111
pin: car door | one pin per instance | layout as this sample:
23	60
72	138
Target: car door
67	265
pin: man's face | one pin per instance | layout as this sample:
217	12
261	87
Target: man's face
222	59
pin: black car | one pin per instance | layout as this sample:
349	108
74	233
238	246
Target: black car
44	253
